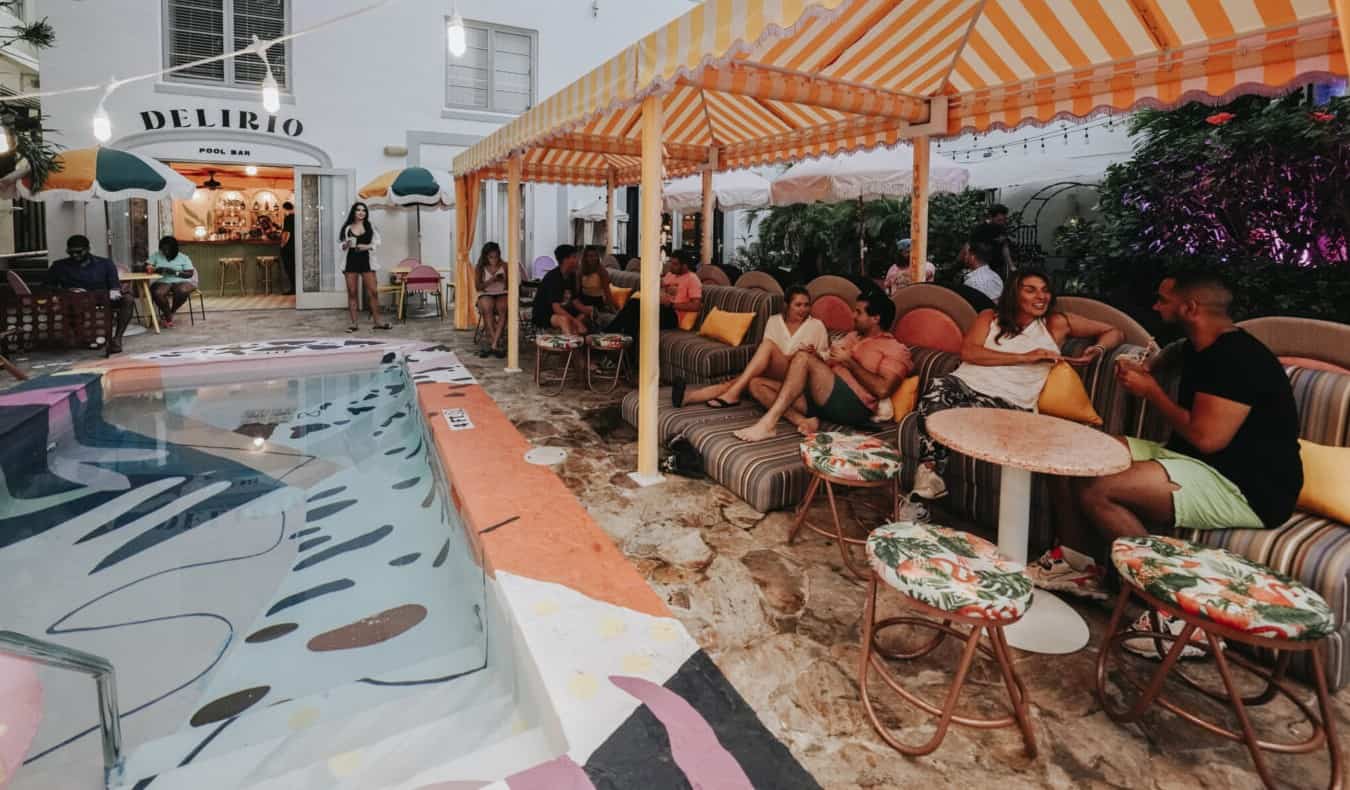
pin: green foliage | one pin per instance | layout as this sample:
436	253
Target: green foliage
28	142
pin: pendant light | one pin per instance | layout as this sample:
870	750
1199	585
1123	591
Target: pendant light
455	39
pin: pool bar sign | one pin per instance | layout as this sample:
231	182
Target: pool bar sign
457	419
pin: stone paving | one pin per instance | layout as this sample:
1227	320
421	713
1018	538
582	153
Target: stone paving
782	621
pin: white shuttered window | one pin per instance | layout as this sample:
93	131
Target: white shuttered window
195	29
496	72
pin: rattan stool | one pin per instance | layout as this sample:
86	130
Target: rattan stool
555	344
1223	595
228	266
839	459
958	579
264	266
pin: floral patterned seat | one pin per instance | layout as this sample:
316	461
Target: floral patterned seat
1223	587
554	342
949	570
865	459
609	341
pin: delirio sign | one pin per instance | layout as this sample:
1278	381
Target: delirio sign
245	120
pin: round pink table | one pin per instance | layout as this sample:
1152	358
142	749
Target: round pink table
1022	442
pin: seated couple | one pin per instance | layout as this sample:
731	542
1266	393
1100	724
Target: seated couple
576	299
798	375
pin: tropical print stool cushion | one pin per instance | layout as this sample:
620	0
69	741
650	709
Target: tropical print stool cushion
865	459
558	342
949	570
1222	587
609	342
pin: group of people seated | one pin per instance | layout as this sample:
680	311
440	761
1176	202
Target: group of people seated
1233	460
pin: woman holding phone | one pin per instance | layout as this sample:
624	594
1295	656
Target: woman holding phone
359	240
178	279
490	280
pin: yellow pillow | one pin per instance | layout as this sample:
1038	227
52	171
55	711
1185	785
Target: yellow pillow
620	295
689	319
1064	396
729	328
1326	481
905	398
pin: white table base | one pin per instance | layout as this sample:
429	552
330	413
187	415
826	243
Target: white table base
1050	626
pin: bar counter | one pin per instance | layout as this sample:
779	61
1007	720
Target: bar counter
206	257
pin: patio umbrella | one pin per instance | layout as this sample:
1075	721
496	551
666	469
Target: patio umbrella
411	186
733	189
868	175
85	174
597	211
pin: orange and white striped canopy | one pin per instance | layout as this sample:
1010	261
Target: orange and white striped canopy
765	81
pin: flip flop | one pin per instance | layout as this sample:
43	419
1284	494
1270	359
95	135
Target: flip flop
383	326
718	403
677	393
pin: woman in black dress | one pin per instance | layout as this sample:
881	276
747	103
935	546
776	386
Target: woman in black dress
359	239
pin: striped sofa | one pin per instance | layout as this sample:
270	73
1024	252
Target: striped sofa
689	357
1312	549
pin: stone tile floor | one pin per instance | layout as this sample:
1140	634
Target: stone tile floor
783	621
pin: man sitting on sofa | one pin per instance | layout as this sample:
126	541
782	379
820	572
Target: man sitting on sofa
553	307
681	299
863	369
1233	459
79	271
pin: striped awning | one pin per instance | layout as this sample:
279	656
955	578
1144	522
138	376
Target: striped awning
766	81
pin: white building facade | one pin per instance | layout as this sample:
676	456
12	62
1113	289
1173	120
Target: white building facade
359	97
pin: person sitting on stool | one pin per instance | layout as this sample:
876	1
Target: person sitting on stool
79	272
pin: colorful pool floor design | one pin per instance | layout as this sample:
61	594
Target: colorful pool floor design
324	544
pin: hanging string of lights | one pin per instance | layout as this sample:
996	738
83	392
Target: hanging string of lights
975	152
270	88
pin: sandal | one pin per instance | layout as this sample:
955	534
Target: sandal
353	328
385	325
718	403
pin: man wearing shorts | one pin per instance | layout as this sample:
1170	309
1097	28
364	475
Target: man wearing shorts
1233	458
863	369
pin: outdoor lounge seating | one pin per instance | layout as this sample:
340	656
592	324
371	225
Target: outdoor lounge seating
850	461
689	357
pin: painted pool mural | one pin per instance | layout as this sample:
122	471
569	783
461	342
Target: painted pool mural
320	563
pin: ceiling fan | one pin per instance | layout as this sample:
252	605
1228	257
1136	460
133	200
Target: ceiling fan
211	183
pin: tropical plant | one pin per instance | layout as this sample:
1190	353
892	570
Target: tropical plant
28	143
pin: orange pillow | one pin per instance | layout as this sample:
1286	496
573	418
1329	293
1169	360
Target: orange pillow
724	327
1064	396
905	397
1326	481
620	295
688	320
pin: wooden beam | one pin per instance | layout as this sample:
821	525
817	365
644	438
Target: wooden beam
732	155
1343	22
918	220
759	81
610	187
513	263
706	244
653	126
600	144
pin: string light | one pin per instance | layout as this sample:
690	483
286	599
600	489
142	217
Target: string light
102	123
251	170
6	131
455	39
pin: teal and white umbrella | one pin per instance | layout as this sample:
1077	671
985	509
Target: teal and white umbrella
411	186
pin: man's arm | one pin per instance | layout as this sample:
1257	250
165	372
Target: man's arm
110	276
883	382
1209	425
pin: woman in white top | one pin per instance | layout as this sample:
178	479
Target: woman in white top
1005	360
784	335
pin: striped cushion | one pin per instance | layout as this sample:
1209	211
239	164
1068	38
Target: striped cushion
767	475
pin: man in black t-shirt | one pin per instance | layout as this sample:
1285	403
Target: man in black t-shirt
1233	459
553	308
288	245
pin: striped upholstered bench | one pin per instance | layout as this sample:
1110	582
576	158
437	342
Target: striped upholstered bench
689	357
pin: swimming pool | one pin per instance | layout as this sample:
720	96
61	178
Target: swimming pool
325	563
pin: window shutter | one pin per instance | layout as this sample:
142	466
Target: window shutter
265	19
510	72
466	78
196	29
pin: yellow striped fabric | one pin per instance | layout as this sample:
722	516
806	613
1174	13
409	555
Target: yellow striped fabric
379	187
765	81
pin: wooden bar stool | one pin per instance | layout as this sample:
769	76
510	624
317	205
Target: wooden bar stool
1224	597
958	579
555	344
231	266
606	344
264	266
852	461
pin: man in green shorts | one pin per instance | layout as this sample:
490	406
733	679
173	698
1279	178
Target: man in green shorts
1233	458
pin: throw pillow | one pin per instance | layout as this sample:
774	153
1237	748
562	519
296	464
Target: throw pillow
620	295
1325	489
724	327
687	320
905	398
1064	396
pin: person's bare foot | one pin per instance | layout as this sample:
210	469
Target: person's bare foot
755	433
808	425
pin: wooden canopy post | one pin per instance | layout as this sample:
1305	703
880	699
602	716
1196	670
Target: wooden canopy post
653	123
918	218
513	263
706	243
1343	22
610	188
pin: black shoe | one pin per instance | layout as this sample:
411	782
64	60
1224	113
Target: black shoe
484	353
114	346
499	354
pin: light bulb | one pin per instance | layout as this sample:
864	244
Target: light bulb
251	170
6	144
271	93
199	231
454	35
102	124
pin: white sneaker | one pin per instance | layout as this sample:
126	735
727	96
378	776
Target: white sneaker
1148	648
1054	572
928	484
